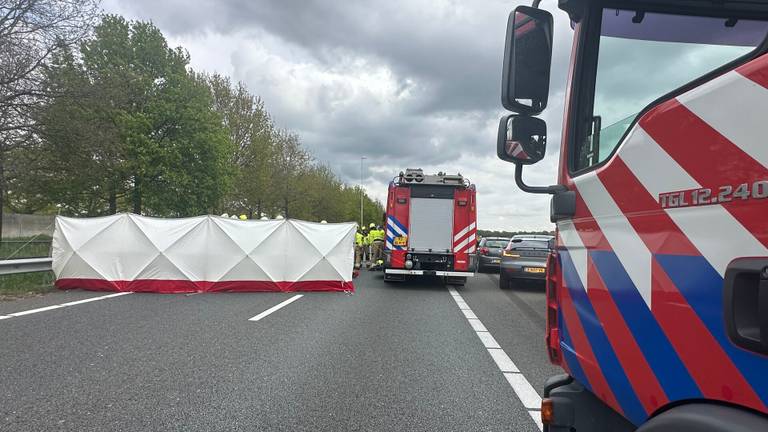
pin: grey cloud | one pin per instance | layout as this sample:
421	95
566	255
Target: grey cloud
445	60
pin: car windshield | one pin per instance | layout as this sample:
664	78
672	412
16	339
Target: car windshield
496	243
528	244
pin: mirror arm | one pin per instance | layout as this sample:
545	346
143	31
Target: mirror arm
536	4
551	190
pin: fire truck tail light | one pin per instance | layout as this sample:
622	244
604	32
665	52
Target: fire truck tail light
553	328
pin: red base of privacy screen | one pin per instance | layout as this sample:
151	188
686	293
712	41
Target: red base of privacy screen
185	286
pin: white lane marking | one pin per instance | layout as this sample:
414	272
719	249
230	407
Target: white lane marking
462	305
477	325
503	361
524	390
488	339
520	385
276	307
536	416
57	306
33	311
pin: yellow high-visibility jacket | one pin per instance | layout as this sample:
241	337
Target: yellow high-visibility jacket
377	234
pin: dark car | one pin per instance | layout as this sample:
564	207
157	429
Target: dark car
525	257
489	252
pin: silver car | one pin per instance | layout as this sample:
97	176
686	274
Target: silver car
525	257
489	252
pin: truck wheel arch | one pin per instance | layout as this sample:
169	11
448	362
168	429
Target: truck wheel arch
706	417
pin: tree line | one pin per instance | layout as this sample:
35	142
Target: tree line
100	115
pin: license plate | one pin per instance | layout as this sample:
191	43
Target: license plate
534	270
495	261
401	241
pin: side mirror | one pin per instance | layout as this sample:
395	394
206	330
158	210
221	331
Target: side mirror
527	60
522	140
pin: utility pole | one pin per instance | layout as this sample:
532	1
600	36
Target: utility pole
361	191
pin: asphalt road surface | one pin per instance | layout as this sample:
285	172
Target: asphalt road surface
415	356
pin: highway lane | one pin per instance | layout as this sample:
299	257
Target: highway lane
389	357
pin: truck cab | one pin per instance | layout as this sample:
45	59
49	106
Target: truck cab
657	290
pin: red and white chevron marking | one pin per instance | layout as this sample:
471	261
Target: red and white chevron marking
465	239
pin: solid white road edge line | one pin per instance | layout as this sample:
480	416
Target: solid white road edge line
57	306
520	385
276	307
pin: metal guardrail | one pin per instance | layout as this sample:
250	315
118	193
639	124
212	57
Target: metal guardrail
25	265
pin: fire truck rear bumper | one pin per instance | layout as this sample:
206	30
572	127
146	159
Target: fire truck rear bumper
429	272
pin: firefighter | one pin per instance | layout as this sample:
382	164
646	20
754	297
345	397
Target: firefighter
243	217
359	245
377	247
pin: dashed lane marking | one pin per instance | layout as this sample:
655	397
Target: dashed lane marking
62	305
276	307
520	385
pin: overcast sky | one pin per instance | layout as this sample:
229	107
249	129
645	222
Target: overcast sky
405	83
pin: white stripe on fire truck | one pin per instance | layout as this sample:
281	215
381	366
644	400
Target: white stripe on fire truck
464	243
578	253
463	232
743	122
646	159
391	224
624	240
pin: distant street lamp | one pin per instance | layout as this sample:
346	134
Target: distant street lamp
361	190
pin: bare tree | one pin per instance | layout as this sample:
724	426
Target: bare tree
31	32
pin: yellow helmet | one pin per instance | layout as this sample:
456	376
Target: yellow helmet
243	217
372	225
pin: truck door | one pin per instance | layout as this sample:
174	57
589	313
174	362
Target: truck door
657	144
431	219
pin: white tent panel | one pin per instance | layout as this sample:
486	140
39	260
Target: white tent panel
161	268
79	231
165	232
134	245
247	237
245	270
274	253
211	252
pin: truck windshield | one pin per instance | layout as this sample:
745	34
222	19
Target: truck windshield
643	56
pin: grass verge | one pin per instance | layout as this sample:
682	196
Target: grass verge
25	284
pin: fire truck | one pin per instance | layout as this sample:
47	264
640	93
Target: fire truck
431	227
657	291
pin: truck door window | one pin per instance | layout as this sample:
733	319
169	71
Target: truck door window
643	56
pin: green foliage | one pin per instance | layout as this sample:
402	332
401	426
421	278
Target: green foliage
487	233
132	128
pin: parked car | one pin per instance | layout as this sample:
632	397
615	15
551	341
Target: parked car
489	252
525	257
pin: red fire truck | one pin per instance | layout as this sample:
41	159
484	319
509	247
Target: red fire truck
657	292
431	226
